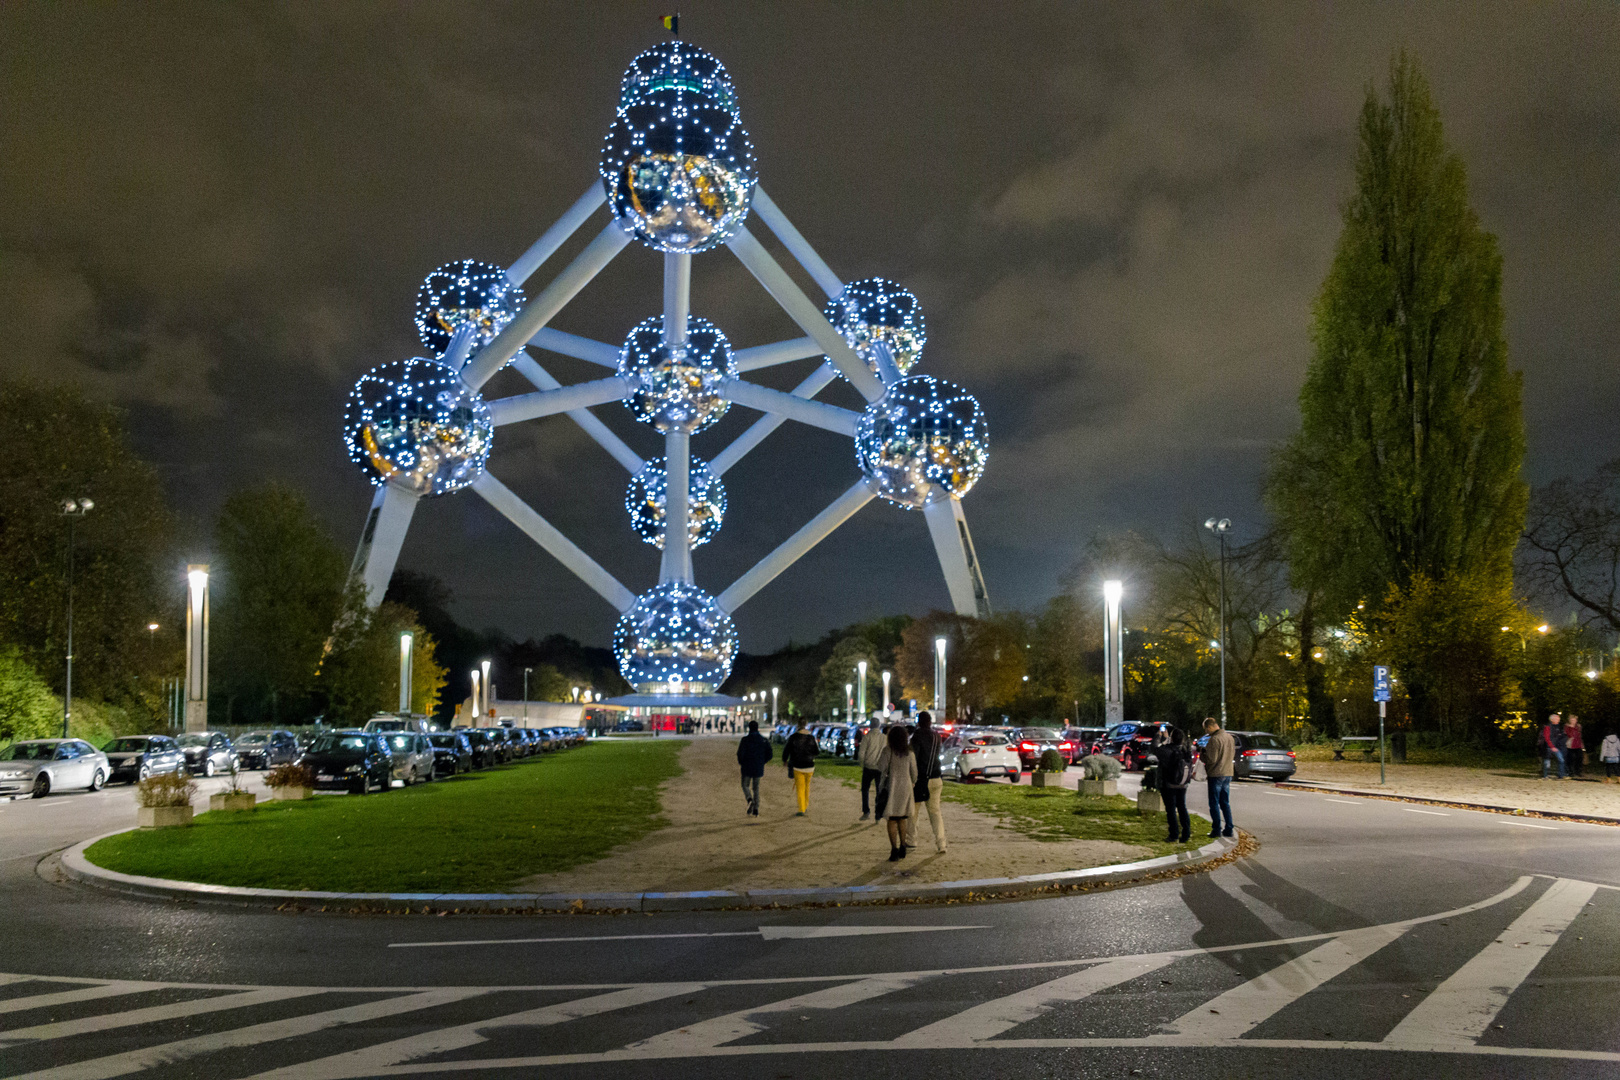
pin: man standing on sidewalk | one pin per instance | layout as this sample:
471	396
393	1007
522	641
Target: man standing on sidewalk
871	776
753	753
1551	745
930	782
1219	751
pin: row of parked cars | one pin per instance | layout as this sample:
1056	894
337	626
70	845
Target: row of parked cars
385	751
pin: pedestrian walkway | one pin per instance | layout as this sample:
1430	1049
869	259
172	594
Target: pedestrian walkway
1488	787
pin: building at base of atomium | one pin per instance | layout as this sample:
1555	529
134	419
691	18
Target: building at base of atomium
677	173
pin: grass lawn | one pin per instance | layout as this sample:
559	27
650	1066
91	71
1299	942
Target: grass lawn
1055	814
481	832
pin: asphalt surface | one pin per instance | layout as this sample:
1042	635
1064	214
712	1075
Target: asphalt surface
1365	939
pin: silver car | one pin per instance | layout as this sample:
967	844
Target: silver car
41	766
413	756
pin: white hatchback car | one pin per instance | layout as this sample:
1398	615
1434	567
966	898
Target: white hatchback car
979	753
41	766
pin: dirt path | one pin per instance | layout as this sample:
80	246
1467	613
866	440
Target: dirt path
1497	787
711	844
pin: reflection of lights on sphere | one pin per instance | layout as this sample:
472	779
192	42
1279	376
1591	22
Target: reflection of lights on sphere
677	65
415	423
705	502
677	389
678	170
875	311
675	639
923	432
462	292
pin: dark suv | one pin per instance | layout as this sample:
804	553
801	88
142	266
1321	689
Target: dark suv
354	761
266	749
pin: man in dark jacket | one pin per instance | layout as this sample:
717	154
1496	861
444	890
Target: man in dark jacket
753	752
930	782
799	755
1552	744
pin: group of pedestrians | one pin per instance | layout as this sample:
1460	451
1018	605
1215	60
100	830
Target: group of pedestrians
1562	749
1178	765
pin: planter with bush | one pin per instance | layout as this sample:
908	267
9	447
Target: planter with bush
1101	775
165	800
290	781
1049	771
235	796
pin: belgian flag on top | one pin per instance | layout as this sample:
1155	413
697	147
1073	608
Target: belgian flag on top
672	23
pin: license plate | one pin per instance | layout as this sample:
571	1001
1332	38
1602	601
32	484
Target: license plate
323	777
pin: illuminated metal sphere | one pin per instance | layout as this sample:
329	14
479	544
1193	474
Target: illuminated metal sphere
415	423
922	433
461	292
678	65
705	502
675	639
876	311
677	389
678	169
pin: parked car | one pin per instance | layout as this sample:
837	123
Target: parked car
452	753
1260	755
135	757
484	751
265	749
1087	740
966	754
1131	744
628	725
348	760
1032	742
207	752
41	766
395	723
412	754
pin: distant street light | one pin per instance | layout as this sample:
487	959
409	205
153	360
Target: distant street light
475	697
73	510
886	709
774	691
849	699
1221	528
489	691
939	677
860	690
526	696
1113	654
407	648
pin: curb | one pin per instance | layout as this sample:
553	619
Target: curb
1511	811
80	869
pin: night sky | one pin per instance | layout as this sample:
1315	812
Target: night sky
1116	217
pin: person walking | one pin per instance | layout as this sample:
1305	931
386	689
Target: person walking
930	782
1609	752
799	755
899	768
1175	773
870	753
753	753
1574	746
1550	744
1219	751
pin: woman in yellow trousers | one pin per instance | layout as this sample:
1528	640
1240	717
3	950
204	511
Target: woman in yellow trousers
799	755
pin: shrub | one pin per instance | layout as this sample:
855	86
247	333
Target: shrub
1052	761
290	775
167	789
1100	767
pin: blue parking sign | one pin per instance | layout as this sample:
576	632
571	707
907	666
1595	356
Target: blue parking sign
1380	683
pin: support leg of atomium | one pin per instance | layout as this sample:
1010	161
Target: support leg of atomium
381	539
954	546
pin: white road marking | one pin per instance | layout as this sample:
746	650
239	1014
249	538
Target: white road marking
778	933
739	1025
1280	794
69	997
769	933
1527	825
201	1006
1431	813
1345	802
1243	1008
1462	1008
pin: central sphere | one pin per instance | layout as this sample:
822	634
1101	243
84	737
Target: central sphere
648	494
922	441
414	423
680	66
675	639
461	292
680	388
876	311
678	171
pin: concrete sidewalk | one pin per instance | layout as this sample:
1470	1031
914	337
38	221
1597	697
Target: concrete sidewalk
1512	789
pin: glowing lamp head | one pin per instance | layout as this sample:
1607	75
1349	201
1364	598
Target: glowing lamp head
675	638
680	387
648	494
875	312
463	292
416	424
924	440
1112	591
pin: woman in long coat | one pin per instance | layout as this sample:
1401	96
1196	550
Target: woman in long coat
898	766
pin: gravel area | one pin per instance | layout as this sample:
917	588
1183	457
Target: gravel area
711	844
1517	788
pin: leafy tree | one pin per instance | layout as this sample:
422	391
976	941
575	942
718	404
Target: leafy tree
986	660
359	675
1407	458
278	584
840	668
28	709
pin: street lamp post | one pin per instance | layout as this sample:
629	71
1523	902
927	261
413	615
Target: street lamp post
1220	528
1113	655
886	709
196	707
73	510
860	691
849	700
939	677
526	696
489	691
407	649
774	691
475	698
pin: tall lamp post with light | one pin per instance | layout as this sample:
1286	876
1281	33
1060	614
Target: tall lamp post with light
407	650
73	510
939	678
860	691
1113	656
1220	528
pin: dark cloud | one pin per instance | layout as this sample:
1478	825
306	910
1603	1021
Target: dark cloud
1116	217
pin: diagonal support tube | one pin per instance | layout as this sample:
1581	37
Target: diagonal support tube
519	407
768	423
575	276
561	548
818	529
794	241
780	352
580	348
787	293
381	539
792	407
554	237
530	369
954	546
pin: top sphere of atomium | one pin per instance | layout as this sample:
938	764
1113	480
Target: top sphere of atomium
677	65
922	441
461	292
876	311
675	639
414	423
680	388
678	170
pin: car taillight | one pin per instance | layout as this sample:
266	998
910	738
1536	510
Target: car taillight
1066	746
1290	753
1026	746
1251	753
971	750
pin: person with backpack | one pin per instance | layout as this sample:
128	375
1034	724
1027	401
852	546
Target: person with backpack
753	752
1175	773
799	755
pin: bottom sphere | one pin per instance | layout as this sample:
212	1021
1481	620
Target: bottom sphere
675	639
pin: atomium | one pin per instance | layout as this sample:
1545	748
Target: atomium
681	66
680	388
415	424
648	492
461	292
678	170
675	639
876	311
922	441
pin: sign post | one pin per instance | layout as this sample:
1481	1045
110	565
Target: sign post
1380	695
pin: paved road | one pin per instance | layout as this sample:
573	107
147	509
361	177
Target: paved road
1367	939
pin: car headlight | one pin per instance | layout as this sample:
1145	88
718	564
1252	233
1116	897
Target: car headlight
353	768
13	774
